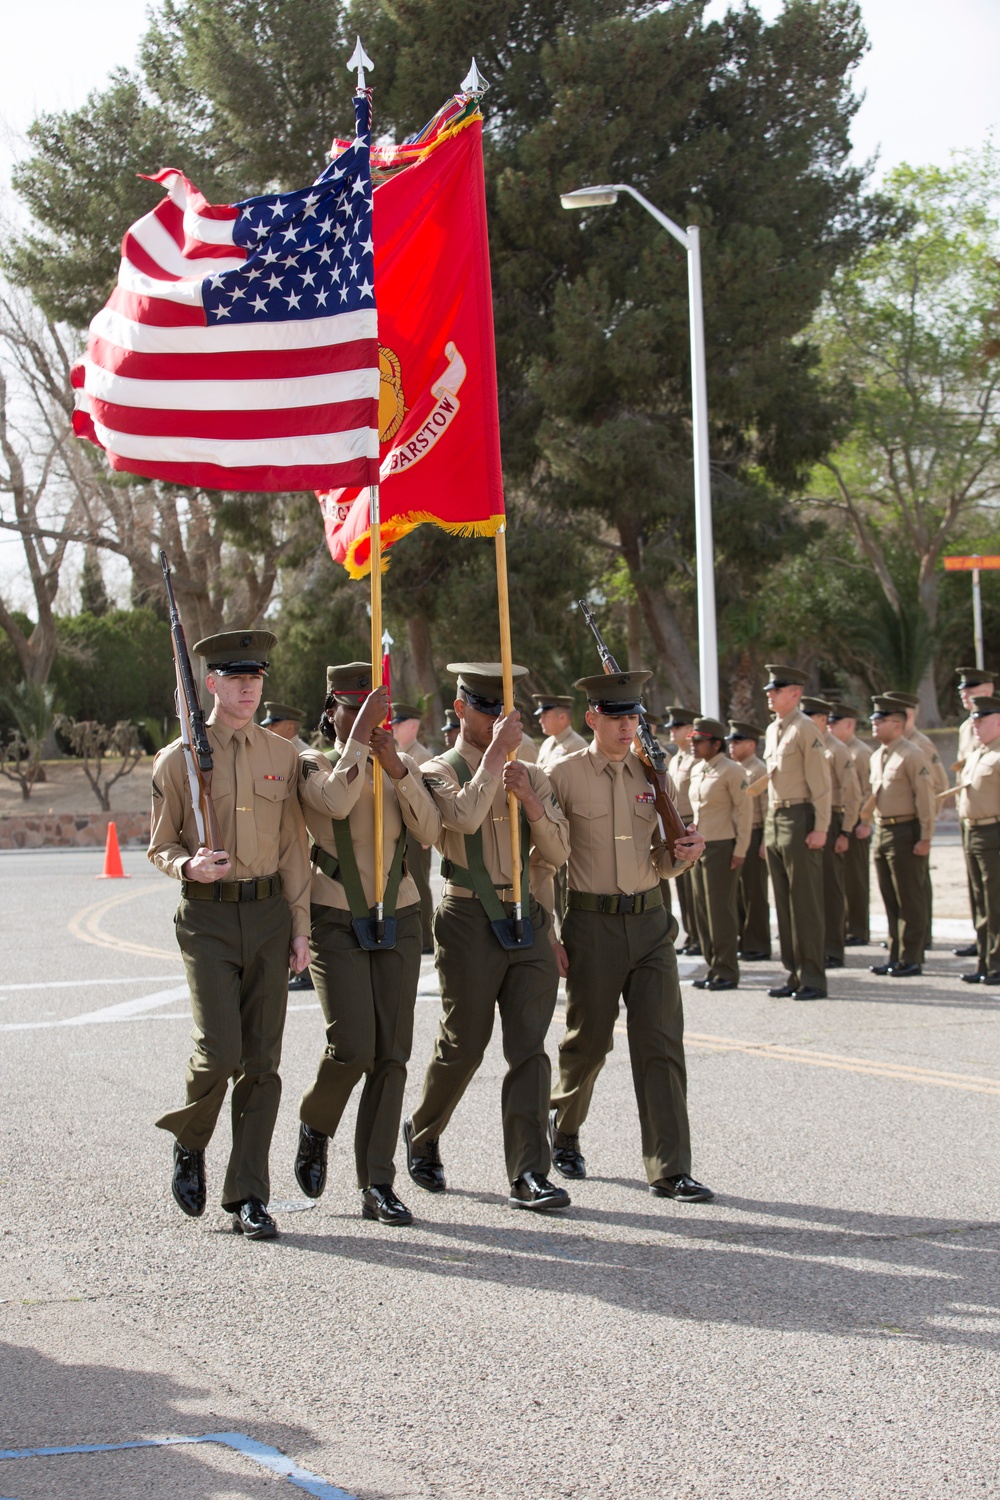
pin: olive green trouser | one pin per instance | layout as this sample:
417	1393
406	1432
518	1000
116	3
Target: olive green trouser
974	894
236	957
630	958
715	881
689	916
796	873
857	889
902	876
834	908
367	1001
477	976
418	864
982	854
752	907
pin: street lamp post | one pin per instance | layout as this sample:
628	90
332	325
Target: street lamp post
708	648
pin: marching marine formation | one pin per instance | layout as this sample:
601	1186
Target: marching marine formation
367	993
798	818
723	816
480	968
243	919
619	943
904	827
753	910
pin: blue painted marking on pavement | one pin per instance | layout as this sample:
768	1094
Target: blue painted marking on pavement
258	1453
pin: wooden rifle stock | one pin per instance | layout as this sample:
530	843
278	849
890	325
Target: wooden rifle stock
194	735
755	788
648	749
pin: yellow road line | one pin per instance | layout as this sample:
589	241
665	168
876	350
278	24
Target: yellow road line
86	925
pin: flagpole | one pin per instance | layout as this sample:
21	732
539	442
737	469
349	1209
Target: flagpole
507	664
375	525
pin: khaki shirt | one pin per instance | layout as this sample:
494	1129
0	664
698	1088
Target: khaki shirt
901	783
558	745
586	792
939	776
796	762
326	793
528	751
861	755
679	769
967	742
275	813
482	803
845	788
753	769
980	783
719	801
417	752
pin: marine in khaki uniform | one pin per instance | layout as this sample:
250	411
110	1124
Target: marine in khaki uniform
723	815
282	720
406	733
979	810
619	944
553	713
939	780
478	975
845	792
753	909
904	827
679	723
843	724
450	729
243	920
367	996
972	683
798	818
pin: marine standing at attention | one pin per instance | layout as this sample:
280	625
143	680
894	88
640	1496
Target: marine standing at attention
798	817
723	816
679	723
367	995
478	973
904	826
843	723
243	920
619	944
752	903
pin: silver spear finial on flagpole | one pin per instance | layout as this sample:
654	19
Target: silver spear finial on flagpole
474	83
361	61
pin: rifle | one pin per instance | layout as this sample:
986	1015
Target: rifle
194	736
648	749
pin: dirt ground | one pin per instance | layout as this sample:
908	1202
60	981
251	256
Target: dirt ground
66	790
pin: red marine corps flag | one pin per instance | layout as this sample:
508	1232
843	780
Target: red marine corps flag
439	435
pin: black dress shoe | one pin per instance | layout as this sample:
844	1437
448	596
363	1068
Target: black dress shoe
426	1170
856	942
310	1160
975	978
700	984
885	968
754	958
905	971
683	1188
990	979
188	1182
721	984
252	1219
782	992
833	963
969	951
380	1202
303	981
691	950
566	1157
532	1190
809	992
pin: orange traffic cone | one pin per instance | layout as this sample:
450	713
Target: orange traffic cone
112	858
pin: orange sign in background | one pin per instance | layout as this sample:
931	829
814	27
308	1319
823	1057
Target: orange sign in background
967	564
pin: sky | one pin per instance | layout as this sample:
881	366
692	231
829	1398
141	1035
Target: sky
929	80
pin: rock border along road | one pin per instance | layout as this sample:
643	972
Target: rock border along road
828	1327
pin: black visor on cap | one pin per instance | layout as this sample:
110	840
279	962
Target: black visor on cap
614	709
482	705
239	668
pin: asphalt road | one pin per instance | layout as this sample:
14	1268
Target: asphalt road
828	1327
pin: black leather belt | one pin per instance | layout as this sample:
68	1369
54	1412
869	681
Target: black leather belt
232	890
624	906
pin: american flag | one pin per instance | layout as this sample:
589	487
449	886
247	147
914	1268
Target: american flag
262	374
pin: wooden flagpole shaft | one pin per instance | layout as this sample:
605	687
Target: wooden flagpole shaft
375	524
507	663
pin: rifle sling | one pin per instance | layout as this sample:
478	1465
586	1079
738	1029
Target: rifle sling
476	877
344	865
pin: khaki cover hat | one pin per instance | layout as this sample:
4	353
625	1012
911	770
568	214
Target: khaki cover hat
740	729
815	706
970	677
551	700
708	729
986	706
278	712
451	721
780	676
909	699
481	683
614	693
676	716
403	711
349	684
884	706
237	653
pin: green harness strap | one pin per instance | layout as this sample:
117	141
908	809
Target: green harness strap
344	867
476	877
